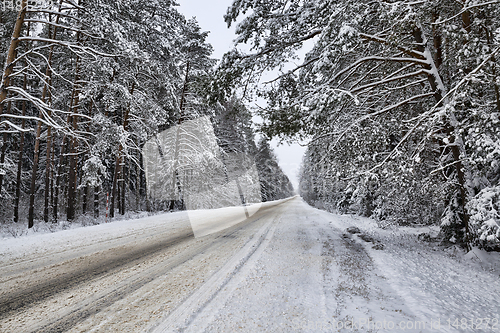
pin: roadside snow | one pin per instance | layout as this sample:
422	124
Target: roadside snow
208	221
459	291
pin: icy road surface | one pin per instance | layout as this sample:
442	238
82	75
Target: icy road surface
287	268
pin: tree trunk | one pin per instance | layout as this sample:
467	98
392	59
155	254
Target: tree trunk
124	185
84	199
21	146
138	182
73	143
182	105
456	141
438	41
148	203
12	53
46	88
9	68
489	37
5	140
119	197
48	170
466	20
36	158
96	202
118	163
115	179
58	178
31	214
52	179
86	188
72	175
176	183
20	159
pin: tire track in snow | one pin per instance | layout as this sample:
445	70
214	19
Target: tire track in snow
70	276
23	300
108	297
56	256
191	314
93	268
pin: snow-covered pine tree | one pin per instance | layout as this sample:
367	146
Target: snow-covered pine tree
382	88
100	78
274	184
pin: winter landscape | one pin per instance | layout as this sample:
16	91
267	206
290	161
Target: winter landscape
143	186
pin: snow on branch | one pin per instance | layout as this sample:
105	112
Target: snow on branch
446	166
64	27
428	113
396	78
83	49
51	12
49	66
374	68
305	64
414	3
365	117
286	44
75	5
359	62
457	86
16	129
39	104
14	116
413	53
465	9
408	85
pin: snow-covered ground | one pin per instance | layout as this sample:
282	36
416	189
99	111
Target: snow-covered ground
288	268
442	287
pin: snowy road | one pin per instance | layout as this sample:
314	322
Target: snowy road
288	268
84	277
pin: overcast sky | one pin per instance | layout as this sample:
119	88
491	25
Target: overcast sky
210	17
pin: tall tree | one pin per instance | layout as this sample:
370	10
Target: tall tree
380	77
274	184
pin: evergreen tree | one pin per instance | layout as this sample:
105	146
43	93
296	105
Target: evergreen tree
274	184
391	93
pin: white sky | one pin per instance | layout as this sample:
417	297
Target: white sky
210	17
